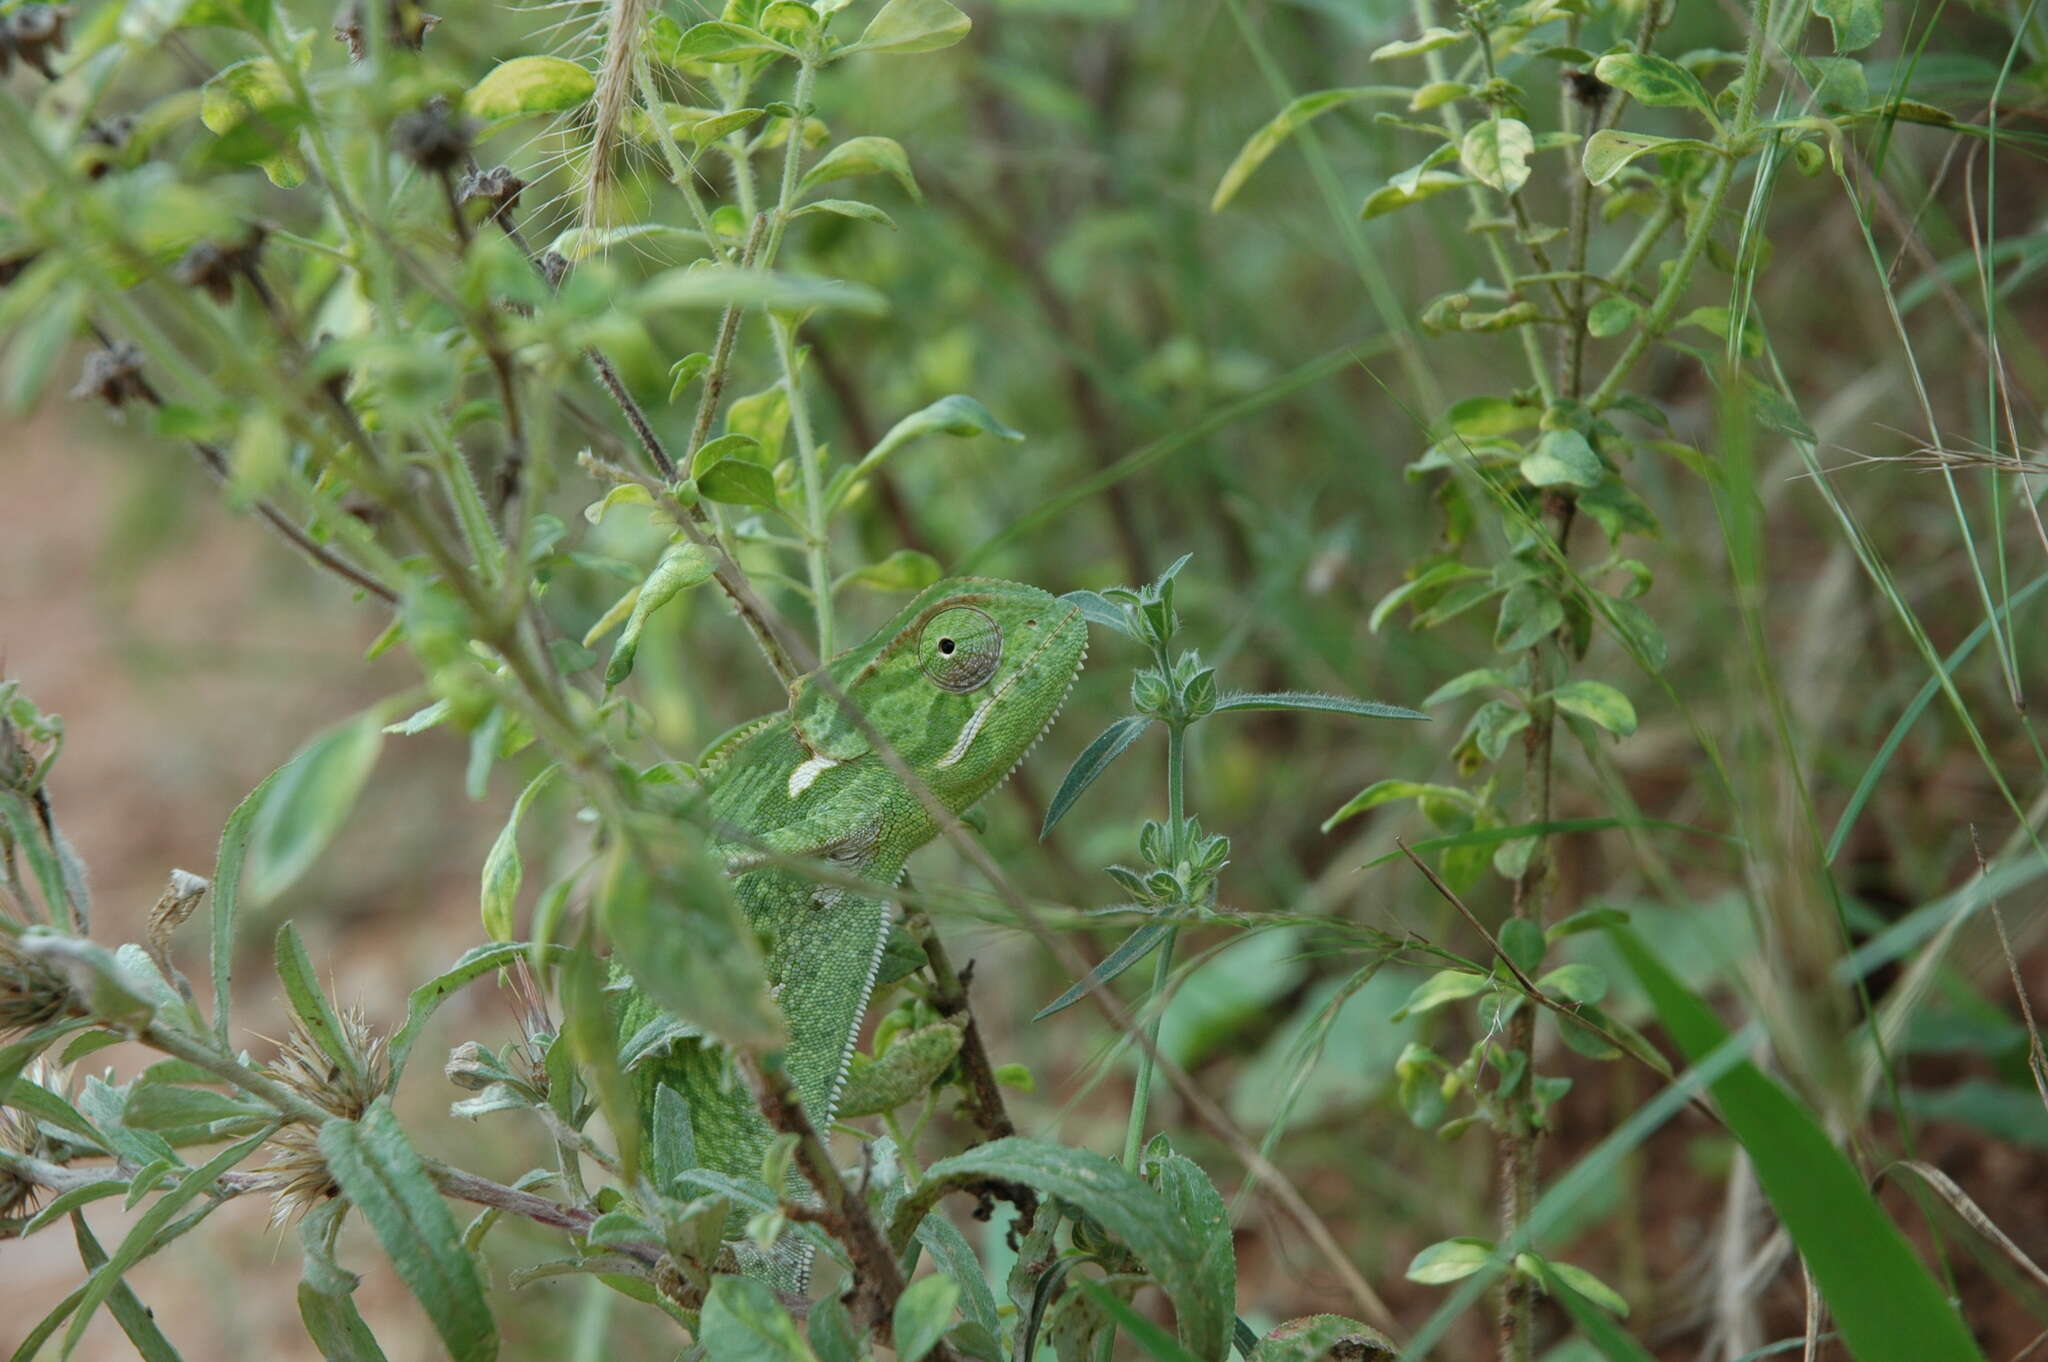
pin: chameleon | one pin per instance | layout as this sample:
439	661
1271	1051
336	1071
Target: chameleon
961	683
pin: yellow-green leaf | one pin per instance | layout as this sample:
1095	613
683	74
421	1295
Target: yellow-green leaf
529	85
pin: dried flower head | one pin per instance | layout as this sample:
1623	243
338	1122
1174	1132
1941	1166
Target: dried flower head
33	34
113	375
1586	88
405	23
215	265
498	187
18	1135
31	991
297	1175
434	137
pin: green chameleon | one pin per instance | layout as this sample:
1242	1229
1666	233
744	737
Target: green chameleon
962	683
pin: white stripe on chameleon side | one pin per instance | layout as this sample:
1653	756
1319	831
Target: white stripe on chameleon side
800	779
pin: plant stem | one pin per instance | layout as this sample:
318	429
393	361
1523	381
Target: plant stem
817	530
1162	968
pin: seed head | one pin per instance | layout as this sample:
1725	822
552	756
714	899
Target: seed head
31	992
297	1175
1587	88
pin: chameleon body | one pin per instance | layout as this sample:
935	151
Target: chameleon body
961	684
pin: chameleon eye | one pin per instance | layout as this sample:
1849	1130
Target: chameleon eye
959	648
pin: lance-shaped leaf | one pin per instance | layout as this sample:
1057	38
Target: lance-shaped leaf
1095	758
1298	114
307	801
428	997
502	873
683	566
1884	1302
1315	702
1133	948
377	1169
309	1002
743	1322
720	286
957	414
921	1315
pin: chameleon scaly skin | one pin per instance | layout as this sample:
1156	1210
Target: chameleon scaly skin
961	683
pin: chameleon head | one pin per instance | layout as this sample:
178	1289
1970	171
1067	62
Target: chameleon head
963	681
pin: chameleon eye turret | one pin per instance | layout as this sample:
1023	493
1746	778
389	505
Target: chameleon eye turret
960	648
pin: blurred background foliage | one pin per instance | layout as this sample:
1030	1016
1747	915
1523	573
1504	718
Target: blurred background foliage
1246	386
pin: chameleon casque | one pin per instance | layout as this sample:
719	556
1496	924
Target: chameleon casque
961	683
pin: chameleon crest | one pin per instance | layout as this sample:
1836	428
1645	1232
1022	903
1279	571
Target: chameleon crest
960	684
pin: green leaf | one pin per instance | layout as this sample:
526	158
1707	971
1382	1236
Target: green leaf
1496	153
956	414
499	893
1445	986
1095	758
326	1294
1598	702
831	1332
720	286
739	482
1449	1260
1581	983
656	239
863	156
1589	1286
428	997
903	570
529	85
136	1319
1609	149
227	883
140	1240
1386	791
1657	81
307	801
1612	1341
1320	1338
1389	197
1188	1190
913	26
376	1168
1529	613
1129	952
252	106
723	42
1310	701
1886	1306
1139	1217
1611	317
955	1257
1856	23
743	1322
922	1314
1158	1344
1430	40
683	566
1563	458
847	208
309	1002
1283	125
670	912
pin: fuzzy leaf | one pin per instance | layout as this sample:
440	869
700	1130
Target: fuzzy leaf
1129	952
307	801
922	1313
723	42
1856	23
743	1322
376	1168
1311	701
499	894
1095	758
1563	458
